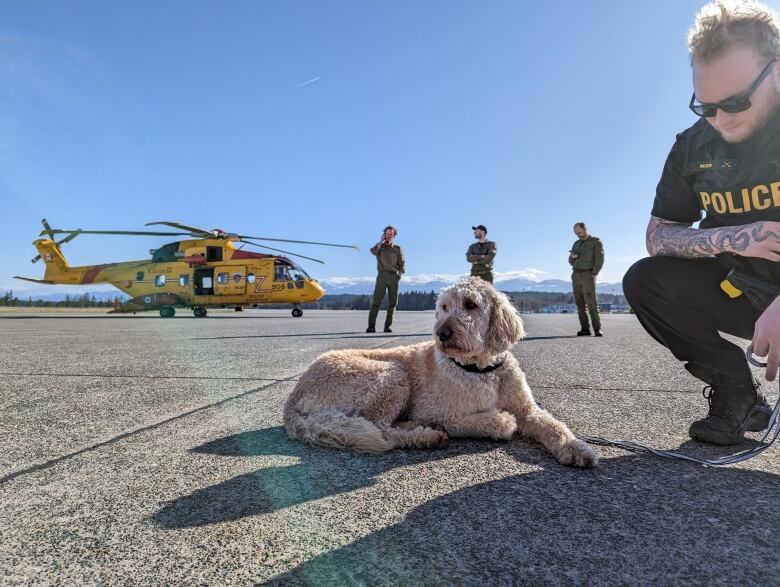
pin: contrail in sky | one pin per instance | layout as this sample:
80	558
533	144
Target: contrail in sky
311	81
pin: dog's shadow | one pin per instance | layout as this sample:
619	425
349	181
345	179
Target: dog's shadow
319	473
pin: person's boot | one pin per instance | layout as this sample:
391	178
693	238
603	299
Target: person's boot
584	332
370	329
734	405
759	418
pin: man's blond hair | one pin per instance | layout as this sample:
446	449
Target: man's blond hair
723	24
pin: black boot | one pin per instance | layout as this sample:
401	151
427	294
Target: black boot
734	405
759	417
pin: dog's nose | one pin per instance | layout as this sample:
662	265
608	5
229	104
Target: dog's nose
445	333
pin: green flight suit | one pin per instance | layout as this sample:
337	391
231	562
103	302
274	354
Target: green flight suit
390	265
586	267
481	256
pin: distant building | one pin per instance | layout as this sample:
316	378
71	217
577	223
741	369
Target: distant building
560	309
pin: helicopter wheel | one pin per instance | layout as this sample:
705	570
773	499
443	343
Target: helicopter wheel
200	312
167	311
297	312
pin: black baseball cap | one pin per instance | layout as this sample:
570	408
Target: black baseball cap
480	227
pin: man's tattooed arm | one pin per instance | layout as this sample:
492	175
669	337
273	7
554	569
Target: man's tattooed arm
674	239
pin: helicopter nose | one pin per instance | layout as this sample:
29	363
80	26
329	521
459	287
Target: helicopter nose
317	289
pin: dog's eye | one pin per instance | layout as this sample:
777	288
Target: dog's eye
469	305
444	307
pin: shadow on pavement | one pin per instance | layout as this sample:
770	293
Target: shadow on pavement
635	520
321	472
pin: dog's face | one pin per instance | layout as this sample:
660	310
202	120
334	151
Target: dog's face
474	319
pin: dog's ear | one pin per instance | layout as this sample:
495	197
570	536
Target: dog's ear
505	327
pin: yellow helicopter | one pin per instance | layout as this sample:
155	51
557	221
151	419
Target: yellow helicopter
204	271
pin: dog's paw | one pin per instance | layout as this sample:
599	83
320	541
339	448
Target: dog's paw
435	439
505	425
577	453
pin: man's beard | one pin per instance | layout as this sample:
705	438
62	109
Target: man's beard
758	124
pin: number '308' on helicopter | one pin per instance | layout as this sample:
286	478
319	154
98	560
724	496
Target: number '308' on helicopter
206	270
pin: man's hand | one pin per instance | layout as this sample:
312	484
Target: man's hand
764	241
575	255
766	338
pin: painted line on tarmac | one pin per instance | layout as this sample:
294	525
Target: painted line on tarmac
50	463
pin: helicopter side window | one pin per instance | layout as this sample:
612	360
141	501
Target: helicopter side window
159	280
184	280
213	253
222	278
250	277
206	283
281	273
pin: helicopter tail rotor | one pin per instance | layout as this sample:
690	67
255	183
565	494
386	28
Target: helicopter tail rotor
48	230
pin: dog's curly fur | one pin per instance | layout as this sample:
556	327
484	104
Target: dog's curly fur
417	396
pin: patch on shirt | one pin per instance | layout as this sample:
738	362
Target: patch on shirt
715	164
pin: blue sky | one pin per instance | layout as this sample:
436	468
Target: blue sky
328	120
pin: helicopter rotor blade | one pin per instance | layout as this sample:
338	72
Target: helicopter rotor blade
281	251
284	240
47	229
192	229
119	232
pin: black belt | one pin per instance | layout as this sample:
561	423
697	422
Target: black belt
583	270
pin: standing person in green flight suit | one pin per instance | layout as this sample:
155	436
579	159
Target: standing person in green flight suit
390	267
481	254
586	259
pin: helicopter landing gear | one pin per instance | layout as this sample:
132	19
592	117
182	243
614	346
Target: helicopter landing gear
167	311
297	312
199	311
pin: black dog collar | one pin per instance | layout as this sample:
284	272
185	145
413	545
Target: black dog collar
472	368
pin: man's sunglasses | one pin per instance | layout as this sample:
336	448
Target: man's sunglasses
734	104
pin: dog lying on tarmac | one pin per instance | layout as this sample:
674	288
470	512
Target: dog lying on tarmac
464	383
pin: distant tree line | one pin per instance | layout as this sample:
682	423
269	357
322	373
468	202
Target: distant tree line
531	301
83	301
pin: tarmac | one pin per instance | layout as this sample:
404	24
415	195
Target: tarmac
136	450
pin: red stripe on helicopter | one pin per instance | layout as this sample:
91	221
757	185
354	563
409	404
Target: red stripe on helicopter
89	276
247	255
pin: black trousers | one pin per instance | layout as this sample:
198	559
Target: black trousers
680	303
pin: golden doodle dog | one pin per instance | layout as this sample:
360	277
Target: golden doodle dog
463	383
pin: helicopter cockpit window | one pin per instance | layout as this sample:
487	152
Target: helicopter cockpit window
298	274
222	278
184	280
159	280
250	277
213	253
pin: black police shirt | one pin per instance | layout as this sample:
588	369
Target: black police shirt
731	183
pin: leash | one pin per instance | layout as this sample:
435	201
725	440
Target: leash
770	435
